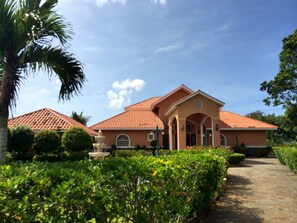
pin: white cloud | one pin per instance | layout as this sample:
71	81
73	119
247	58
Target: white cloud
162	2
167	48
122	91
101	3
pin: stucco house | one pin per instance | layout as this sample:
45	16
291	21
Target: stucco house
47	119
179	119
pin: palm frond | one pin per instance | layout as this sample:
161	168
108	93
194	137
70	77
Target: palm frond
63	64
6	25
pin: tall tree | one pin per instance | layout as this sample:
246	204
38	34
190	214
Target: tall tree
80	117
282	90
27	31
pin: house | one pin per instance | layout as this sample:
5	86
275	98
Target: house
47	119
179	119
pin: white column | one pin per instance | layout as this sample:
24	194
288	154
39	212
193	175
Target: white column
212	133
201	134
170	136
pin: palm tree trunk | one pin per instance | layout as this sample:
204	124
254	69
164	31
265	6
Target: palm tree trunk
3	132
4	113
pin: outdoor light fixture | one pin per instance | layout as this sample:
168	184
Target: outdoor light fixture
182	127
217	127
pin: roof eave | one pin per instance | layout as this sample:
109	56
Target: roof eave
247	129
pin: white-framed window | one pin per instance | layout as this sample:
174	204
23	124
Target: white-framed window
123	140
150	136
223	140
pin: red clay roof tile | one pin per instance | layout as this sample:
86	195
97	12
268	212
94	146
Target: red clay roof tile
233	120
131	119
47	119
143	105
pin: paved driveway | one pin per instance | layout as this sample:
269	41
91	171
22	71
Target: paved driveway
261	190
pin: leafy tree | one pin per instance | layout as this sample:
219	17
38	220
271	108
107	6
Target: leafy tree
28	29
80	118
282	90
76	139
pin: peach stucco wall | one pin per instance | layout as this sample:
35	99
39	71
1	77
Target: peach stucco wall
137	137
165	104
249	138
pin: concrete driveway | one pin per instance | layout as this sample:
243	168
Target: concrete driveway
260	190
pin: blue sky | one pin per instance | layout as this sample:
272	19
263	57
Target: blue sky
136	49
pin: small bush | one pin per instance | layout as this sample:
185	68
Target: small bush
46	142
21	139
76	139
236	158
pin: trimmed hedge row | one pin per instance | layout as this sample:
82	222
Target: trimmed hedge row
141	189
232	158
287	156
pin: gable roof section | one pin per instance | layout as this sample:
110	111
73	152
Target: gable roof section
182	87
143	105
199	92
233	121
131	120
47	119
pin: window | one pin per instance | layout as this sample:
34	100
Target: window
150	136
223	140
123	141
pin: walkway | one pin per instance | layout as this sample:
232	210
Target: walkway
261	190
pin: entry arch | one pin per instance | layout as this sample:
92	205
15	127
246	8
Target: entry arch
198	102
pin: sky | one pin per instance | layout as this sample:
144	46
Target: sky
136	49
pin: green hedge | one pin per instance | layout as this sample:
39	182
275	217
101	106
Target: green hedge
141	189
236	158
222	152
287	156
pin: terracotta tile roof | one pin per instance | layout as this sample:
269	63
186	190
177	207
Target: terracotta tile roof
143	105
47	119
233	120
131	119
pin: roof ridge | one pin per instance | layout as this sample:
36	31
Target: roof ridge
108	119
29	113
141	102
64	117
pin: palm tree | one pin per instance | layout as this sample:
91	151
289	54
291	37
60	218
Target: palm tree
27	31
80	118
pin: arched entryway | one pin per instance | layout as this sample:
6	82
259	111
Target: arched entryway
187	121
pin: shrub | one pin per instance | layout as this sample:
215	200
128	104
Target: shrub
131	153
141	189
74	156
46	142
257	152
287	156
236	158
21	139
76	139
